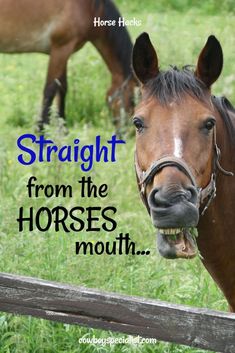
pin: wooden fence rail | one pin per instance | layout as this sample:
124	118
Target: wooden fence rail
200	328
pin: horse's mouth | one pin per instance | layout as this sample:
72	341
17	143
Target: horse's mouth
176	243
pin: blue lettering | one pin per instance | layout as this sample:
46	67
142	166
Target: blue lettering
23	148
42	142
100	150
88	159
86	155
114	142
67	154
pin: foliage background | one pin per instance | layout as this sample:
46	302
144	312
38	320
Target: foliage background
179	30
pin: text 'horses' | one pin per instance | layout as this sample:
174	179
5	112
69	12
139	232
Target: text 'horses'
59	28
184	137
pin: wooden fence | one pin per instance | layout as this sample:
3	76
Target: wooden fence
200	328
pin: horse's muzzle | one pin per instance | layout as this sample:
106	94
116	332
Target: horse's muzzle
173	207
174	210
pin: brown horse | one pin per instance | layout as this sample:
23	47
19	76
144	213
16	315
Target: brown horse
184	137
59	28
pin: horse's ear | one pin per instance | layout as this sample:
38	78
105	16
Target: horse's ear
144	59
210	62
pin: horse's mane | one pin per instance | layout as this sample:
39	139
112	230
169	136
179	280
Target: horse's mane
227	111
119	37
174	84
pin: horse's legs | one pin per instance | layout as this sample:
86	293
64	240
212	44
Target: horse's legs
62	90
56	81
48	96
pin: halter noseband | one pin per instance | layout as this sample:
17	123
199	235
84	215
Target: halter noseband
209	192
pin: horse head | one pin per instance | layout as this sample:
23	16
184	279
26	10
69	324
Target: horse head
176	150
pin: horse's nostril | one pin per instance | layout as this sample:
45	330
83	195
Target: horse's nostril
158	198
155	194
192	194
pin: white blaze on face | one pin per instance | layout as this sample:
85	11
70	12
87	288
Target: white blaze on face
178	147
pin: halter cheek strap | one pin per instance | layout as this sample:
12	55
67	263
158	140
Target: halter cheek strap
209	192
119	92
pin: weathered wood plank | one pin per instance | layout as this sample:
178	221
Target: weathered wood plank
109	311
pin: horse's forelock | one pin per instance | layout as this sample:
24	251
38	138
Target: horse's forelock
174	84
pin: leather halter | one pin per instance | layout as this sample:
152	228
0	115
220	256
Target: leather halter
119	92
209	192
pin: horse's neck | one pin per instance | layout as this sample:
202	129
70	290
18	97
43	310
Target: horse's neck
113	42
216	239
217	227
109	56
220	214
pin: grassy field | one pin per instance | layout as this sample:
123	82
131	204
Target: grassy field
179	32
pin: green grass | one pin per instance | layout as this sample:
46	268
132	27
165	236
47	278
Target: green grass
205	7
178	38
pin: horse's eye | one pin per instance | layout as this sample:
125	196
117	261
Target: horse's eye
139	124
209	124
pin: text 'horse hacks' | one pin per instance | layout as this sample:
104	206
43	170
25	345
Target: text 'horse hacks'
185	160
59	28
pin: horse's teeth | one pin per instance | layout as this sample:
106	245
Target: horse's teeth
170	231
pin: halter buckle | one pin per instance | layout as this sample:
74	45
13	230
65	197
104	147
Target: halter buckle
208	192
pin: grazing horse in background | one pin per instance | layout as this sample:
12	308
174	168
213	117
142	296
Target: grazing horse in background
184	137
59	28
